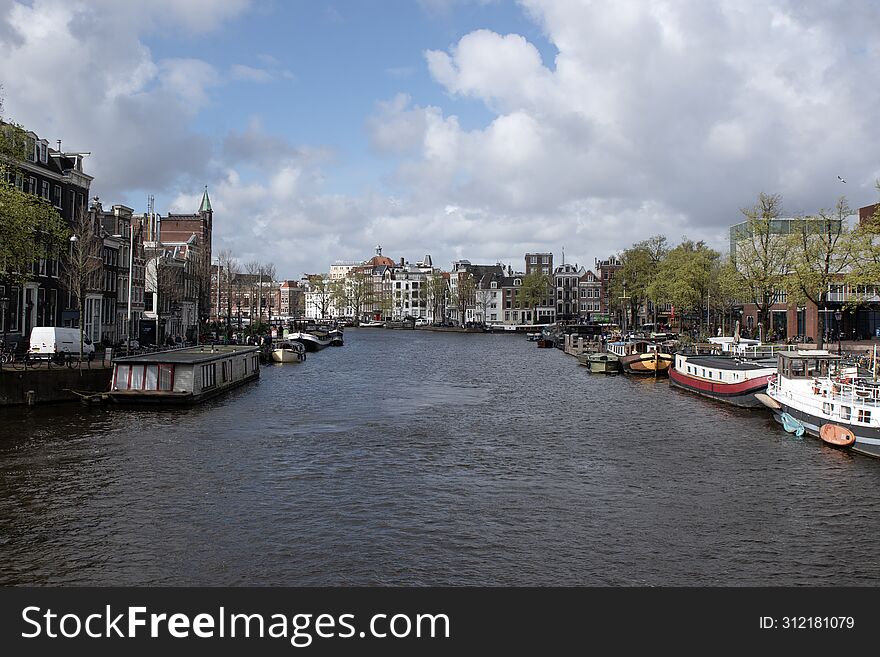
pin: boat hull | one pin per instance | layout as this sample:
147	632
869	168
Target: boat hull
603	363
310	342
867	439
740	394
287	356
646	364
173	398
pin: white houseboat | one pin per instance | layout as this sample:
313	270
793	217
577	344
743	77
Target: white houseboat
184	376
725	378
814	392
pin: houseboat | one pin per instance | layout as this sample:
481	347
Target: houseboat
724	378
313	336
184	376
641	357
814	392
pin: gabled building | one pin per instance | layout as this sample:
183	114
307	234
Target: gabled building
43	300
589	296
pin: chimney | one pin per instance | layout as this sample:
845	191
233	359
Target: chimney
401	261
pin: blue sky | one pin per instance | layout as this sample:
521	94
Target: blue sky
477	129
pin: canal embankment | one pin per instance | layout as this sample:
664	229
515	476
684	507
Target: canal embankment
48	383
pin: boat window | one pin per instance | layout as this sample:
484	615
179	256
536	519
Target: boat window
827	408
151	377
209	375
798	369
136	380
845	412
121	382
864	415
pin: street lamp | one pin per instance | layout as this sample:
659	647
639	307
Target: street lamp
625	310
838	316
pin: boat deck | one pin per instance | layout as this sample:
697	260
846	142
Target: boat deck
731	364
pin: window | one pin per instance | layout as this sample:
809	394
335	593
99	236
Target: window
57	196
32	185
43	154
864	415
545	260
45	190
534	260
845	412
209	375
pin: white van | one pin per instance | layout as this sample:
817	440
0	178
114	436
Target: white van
47	341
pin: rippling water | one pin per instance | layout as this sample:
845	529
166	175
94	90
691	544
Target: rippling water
419	458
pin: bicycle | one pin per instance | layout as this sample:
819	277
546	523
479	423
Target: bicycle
6	355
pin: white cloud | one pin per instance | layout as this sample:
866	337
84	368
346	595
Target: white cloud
648	117
652	117
249	73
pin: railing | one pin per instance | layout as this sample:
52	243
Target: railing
831	391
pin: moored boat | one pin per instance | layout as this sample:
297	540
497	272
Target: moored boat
183	376
288	352
724	378
815	391
313	340
641	357
601	363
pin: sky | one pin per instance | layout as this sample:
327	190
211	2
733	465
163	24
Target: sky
463	129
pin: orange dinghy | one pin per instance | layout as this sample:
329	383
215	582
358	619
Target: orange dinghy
836	435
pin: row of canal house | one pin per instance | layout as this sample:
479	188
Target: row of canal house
130	289
42	300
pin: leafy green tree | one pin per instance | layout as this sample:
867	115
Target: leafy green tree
534	291
684	276
821	254
464	296
760	254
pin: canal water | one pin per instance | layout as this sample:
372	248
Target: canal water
421	458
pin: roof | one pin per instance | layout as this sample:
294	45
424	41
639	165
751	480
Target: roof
206	202
188	355
808	353
379	260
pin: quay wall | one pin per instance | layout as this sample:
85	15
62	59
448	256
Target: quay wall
42	385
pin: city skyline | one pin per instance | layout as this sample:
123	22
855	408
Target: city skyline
465	129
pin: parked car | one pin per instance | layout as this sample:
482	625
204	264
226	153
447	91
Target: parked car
421	321
50	341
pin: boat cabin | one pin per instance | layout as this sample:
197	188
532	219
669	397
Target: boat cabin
810	364
183	375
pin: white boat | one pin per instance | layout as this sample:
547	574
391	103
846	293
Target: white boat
726	378
815	392
288	352
312	340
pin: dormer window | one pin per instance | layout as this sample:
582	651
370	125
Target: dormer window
493	285
517	281
43	153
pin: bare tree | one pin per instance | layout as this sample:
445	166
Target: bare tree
229	266
267	274
252	269
83	264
